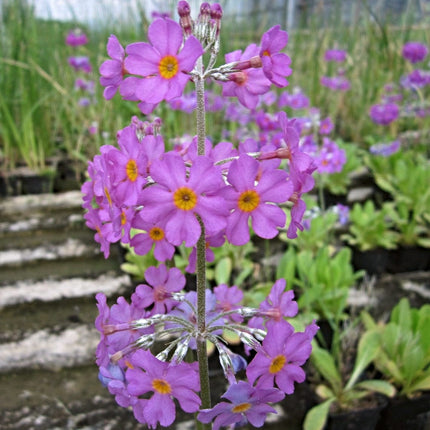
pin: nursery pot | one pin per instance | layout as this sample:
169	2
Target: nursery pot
374	261
409	259
402	413
359	419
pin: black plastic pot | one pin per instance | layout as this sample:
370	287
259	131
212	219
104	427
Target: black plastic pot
374	261
361	419
409	259
402	413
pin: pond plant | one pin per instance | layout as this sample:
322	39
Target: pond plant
199	195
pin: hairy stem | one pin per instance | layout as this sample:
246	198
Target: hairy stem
201	256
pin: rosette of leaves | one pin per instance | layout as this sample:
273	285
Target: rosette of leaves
324	279
340	393
371	228
403	355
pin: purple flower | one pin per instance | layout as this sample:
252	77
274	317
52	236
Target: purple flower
158	294
167	382
342	213
337	55
385	149
228	299
276	65
76	37
112	71
177	198
246	84
336	83
247	200
414	52
154	234
279	302
331	158
384	114
326	126
283	352
164	68
80	63
246	404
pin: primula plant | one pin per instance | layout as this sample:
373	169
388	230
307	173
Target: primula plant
155	200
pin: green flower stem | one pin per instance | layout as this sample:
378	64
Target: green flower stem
201	256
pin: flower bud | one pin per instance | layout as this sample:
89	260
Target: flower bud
185	20
216	15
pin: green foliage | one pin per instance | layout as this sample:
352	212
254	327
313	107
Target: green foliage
324	280
344	395
406	177
403	355
371	228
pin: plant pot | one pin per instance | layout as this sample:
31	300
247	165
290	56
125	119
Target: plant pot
402	413
360	419
409	259
374	261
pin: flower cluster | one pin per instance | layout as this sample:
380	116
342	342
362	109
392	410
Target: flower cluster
159	310
198	194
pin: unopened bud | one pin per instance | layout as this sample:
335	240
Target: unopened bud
254	62
180	352
216	15
205	13
281	153
185	20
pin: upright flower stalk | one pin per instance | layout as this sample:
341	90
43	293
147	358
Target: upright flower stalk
201	195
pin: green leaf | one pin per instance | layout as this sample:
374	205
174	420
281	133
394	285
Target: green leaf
223	271
324	392
324	363
377	386
367	349
421	385
317	416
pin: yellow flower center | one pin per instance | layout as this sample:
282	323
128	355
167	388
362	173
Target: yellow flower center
161	386
266	53
131	170
185	198
156	233
123	218
168	67
277	364
248	201
242	407
107	194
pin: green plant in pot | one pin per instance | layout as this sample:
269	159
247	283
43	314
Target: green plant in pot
403	358
343	396
371	235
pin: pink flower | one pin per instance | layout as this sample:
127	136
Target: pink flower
158	294
276	65
164	68
165	381
283	352
178	198
76	38
250	200
246	84
112	71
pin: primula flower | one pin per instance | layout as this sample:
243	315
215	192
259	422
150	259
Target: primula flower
336	83
276	65
245	84
283	352
384	114
167	382
228	299
80	63
246	404
385	149
154	234
178	198
165	70
76	38
414	52
331	158
112	71
250	200
158	294
337	55
326	126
